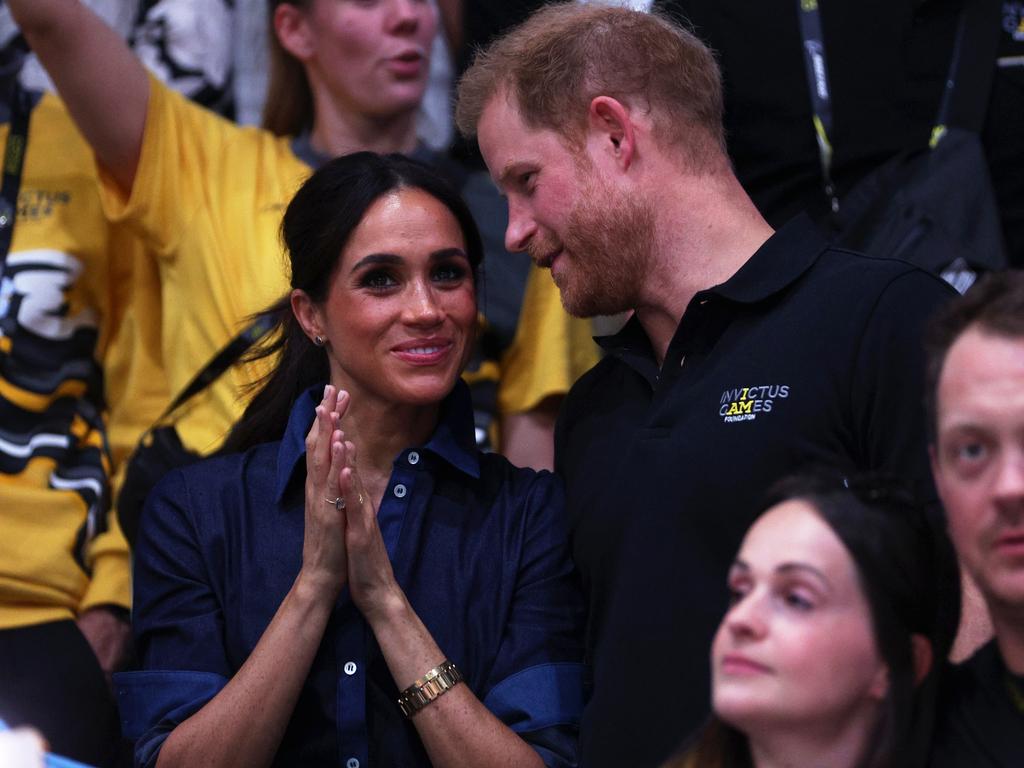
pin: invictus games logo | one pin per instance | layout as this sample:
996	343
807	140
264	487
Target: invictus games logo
745	403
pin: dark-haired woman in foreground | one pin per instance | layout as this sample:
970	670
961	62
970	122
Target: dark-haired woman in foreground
845	601
292	600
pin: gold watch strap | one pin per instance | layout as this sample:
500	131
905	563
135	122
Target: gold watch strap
437	681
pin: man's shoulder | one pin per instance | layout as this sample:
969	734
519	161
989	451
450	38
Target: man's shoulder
857	291
977	724
864	270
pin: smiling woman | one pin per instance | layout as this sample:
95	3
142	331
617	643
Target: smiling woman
843	596
415	608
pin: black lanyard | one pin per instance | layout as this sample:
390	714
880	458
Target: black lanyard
21	104
976	35
816	68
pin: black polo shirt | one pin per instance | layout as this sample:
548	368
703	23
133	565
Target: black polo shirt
980	721
808	354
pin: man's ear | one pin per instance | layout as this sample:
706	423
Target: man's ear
292	29
610	123
308	315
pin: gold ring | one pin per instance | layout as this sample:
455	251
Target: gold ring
338	503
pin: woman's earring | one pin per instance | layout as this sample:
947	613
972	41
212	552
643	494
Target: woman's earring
318	340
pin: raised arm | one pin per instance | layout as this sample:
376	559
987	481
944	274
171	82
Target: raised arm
104	85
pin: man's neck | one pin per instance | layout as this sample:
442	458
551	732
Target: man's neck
702	238
338	130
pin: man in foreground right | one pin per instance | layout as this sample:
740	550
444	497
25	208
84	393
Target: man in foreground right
976	399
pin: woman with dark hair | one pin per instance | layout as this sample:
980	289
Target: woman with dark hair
298	605
208	194
845	602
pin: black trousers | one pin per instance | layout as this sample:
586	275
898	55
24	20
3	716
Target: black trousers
50	680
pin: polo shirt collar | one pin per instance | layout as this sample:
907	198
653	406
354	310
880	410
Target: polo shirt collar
453	440
783	258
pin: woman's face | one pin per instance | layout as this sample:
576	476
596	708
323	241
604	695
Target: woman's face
372	56
797	646
400	314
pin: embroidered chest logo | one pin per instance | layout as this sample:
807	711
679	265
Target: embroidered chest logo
746	403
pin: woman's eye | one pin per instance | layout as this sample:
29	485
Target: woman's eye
449	273
797	600
378	280
737	592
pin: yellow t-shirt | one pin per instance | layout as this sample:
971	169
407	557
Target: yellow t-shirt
208	197
66	284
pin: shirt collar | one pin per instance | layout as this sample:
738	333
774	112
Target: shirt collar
783	258
453	440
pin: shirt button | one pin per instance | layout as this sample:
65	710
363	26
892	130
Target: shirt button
351	763
414	458
350	667
400	491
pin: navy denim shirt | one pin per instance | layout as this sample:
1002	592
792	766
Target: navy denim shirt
479	546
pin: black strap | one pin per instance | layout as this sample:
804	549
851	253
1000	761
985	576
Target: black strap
972	67
21	103
968	81
816	68
224	359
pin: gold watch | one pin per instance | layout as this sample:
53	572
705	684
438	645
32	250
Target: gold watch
437	681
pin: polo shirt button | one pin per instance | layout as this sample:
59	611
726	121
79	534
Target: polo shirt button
351	763
350	667
400	491
414	458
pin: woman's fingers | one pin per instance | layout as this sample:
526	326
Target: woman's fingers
333	489
341	402
318	440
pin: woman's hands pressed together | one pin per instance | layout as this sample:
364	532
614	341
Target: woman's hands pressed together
343	545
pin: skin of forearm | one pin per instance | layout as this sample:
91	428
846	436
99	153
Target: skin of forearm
457	730
99	78
245	722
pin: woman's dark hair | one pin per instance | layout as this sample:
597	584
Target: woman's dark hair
288	108
908	572
316	227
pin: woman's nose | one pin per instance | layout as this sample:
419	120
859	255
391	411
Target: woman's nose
423	307
746	617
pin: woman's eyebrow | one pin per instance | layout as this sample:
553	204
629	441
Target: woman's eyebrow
804	568
447	253
388	259
391	259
